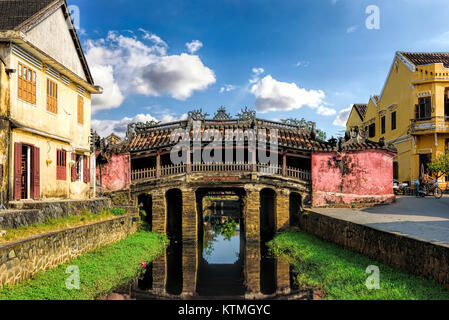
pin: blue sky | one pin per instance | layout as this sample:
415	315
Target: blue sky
286	58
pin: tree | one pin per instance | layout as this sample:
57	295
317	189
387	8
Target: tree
440	166
321	134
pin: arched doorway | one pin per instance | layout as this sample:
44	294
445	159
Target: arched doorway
145	203
295	208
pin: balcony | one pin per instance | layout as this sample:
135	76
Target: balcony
439	124
148	174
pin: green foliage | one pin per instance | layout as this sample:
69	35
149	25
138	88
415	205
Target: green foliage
321	134
101	271
118	211
226	229
440	166
340	273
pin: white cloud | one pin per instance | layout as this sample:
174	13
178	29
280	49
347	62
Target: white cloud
120	127
352	29
273	95
256	73
324	111
194	46
126	65
304	64
334	1
227	88
342	117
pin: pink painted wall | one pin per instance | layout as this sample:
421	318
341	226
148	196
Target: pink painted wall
353	177
116	174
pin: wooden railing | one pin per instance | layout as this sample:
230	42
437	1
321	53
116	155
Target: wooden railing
165	171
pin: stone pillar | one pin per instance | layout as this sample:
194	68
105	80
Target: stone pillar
282	209
284	164
189	268
282	277
251	214
159	211
158	164
159	274
189	216
252	270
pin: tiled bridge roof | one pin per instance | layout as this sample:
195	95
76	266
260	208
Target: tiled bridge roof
292	134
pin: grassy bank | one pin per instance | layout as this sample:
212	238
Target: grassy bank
58	224
341	273
100	271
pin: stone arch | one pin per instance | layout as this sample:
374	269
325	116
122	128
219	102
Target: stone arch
145	203
173	200
267	214
295	208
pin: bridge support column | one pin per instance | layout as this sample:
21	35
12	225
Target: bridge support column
159	211
282	277
189	269
189	216
251	214
282	209
252	270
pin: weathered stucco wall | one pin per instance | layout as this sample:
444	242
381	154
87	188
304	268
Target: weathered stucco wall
414	256
116	173
23	259
352	177
4	128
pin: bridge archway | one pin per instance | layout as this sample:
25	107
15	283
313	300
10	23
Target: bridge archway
267	214
173	198
145	203
295	208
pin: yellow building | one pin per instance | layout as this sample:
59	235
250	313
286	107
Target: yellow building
48	106
412	112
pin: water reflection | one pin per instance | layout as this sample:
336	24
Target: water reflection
222	265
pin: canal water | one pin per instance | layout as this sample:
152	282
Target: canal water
221	266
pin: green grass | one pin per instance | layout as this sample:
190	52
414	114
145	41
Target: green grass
340	273
100	271
56	224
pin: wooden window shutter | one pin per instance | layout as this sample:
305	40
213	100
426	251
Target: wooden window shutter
36	190
61	165
86	173
74	175
416	111
17	171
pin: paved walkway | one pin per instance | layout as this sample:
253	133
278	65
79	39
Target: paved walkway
420	218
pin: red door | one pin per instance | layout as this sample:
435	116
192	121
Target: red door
17	171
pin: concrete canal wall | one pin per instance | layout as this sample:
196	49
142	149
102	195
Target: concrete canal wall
23	259
411	255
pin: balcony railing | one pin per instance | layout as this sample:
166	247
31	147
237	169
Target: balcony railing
436	123
142	175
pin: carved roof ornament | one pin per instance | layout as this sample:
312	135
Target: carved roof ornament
307	126
198	115
221	114
246	114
